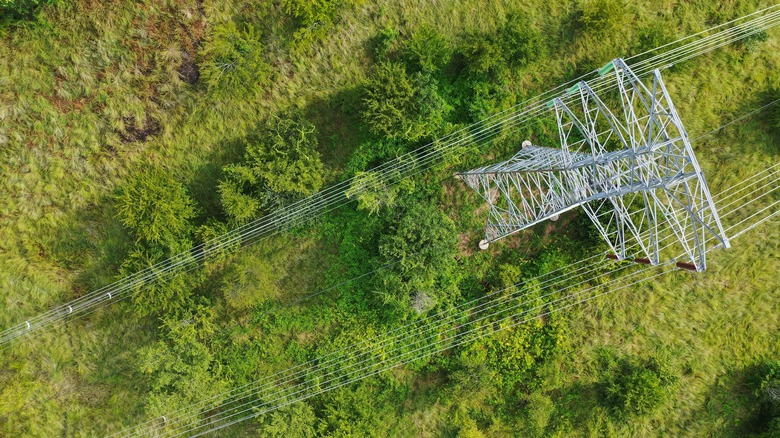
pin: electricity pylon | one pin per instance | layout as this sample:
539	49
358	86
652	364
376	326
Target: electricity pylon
634	174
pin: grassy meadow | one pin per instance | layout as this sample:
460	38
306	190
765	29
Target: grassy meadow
131	131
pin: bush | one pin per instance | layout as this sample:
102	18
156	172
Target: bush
163	292
635	387
485	82
420	242
232	61
427	50
180	369
774	110
650	37
219	249
294	421
285	159
313	18
752	42
397	105
280	165
539	411
236	193
483	55
521	43
156	208
371	192
383	43
14	10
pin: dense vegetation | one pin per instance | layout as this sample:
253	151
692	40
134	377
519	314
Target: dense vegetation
133	131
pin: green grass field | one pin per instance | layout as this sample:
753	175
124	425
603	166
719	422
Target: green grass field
94	95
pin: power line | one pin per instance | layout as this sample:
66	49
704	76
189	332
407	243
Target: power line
172	418
407	166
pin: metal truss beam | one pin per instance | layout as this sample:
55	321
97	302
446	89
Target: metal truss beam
633	171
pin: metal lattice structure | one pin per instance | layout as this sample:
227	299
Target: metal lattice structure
633	173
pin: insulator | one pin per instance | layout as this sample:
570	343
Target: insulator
612	256
687	266
643	261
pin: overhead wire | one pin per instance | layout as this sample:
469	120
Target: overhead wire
353	346
737	187
254	407
334	197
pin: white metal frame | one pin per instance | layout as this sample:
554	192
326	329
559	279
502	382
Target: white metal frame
634	174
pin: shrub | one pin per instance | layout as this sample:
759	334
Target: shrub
313	18
399	105
483	54
156	208
484	84
294	421
285	159
232	61
427	50
751	42
635	387
163	292
382	43
767	396
649	37
520	42
180	369
539	411
13	10
774	110
374	153
371	192
420	242
281	164
219	249
235	193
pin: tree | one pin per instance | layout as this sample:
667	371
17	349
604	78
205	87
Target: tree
419	246
156	208
399	105
280	164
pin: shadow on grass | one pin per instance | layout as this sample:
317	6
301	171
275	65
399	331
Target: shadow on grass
733	402
337	118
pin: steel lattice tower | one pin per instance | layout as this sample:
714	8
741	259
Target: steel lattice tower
633	173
